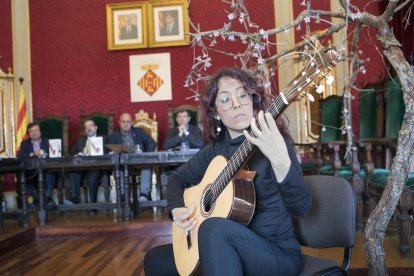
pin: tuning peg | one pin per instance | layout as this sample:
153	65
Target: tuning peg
310	97
320	89
329	80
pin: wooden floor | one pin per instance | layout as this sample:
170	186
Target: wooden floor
78	243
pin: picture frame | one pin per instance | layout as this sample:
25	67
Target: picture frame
168	23
126	25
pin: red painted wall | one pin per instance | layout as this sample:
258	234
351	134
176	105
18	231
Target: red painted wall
73	70
6	47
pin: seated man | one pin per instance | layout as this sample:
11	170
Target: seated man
83	146
131	137
183	136
36	146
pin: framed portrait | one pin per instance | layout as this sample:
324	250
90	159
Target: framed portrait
126	25
168	23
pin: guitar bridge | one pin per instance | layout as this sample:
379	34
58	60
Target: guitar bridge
188	236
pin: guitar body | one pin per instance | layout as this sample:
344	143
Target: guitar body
235	202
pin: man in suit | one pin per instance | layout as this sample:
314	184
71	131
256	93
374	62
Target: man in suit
83	146
129	30
36	146
183	136
130	137
170	26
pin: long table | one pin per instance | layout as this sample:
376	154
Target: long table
75	163
118	163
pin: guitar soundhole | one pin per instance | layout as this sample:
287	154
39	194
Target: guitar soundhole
208	201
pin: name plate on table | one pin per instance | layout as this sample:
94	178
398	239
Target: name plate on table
55	148
107	159
158	157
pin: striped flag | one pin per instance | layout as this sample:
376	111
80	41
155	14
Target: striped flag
22	119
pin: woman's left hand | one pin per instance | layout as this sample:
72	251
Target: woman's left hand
271	143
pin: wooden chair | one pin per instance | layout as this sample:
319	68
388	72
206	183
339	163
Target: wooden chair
56	127
323	159
104	121
148	124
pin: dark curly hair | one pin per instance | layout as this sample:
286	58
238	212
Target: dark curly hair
207	101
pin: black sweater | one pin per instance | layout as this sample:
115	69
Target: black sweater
275	202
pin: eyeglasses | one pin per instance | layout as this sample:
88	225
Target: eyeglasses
226	102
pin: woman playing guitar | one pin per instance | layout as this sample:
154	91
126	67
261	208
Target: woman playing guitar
231	104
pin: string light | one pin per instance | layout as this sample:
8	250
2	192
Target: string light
329	80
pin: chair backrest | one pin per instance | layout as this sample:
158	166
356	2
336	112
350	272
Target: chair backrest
395	108
105	122
331	219
371	109
149	125
331	118
56	127
192	110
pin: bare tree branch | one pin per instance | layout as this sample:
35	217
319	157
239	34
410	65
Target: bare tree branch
402	5
389	11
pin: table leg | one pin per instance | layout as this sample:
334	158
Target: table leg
135	202
60	185
24	219
42	212
127	203
118	194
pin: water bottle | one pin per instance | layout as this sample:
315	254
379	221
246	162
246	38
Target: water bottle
184	146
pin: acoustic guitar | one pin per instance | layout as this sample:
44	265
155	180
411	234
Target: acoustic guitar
227	190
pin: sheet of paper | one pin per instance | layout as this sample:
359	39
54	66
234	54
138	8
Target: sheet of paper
96	146
55	148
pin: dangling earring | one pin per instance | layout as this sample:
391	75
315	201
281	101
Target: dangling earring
218	127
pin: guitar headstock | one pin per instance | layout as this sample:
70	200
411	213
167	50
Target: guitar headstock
320	63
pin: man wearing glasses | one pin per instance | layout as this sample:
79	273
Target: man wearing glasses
131	137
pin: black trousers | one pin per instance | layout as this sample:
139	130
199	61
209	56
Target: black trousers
229	248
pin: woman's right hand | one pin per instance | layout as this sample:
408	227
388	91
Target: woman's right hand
183	218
